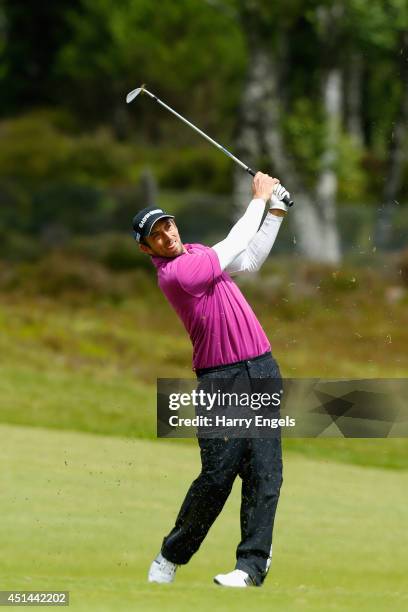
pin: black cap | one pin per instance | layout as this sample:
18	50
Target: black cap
145	219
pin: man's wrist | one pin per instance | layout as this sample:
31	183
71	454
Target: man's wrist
260	197
277	204
277	212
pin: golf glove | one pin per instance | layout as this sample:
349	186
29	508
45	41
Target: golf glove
277	198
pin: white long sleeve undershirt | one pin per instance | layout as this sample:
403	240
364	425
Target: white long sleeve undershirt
259	248
245	248
241	233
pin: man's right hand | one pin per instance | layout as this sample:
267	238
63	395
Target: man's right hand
263	186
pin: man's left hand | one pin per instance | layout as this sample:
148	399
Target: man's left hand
278	207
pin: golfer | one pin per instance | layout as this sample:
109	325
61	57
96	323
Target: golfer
228	342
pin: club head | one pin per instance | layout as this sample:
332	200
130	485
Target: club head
133	94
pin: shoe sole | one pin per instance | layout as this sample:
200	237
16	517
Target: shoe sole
228	586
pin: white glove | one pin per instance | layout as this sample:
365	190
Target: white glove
276	201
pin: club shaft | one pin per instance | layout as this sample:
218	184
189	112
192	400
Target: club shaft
203	134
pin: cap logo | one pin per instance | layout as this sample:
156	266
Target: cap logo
149	214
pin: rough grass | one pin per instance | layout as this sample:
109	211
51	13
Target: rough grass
84	361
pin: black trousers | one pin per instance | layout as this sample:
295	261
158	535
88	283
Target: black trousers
258	462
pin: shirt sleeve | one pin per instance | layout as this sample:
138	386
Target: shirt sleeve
196	272
258	249
241	233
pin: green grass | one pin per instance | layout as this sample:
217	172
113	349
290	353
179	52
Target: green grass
87	513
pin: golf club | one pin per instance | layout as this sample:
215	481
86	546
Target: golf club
135	92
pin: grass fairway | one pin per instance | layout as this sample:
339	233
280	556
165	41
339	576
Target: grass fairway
86	513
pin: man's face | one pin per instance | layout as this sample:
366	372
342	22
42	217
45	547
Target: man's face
164	240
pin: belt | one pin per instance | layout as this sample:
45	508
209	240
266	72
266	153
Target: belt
229	366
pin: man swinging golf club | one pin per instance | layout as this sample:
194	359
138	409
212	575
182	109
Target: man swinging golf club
228	341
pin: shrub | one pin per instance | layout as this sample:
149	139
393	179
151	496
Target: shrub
15	246
15	205
35	149
196	168
76	207
402	266
115	251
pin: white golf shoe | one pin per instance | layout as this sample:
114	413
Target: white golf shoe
236	578
162	570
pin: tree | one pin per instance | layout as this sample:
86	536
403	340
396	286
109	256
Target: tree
185	51
31	34
262	120
380	31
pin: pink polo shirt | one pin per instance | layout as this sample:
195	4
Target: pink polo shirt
222	326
